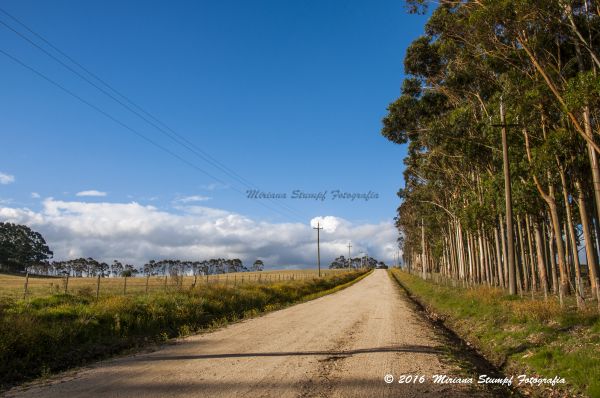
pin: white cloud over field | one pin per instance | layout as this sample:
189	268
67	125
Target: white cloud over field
91	192
136	233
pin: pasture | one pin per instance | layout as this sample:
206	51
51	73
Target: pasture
13	286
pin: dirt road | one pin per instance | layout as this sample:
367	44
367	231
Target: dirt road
341	345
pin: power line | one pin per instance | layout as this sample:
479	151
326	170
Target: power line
122	124
172	134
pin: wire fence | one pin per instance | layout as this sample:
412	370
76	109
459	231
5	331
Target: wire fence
20	287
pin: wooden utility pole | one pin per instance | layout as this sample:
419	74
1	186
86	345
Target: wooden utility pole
349	246
512	270
318	228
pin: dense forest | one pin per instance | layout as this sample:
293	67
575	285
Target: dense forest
500	108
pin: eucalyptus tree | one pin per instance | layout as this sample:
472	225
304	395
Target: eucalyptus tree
537	60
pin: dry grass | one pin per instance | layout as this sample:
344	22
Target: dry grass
537	310
487	295
13	286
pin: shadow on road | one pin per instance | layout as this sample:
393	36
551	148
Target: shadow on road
343	353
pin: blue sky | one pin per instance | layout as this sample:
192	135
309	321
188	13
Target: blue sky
289	95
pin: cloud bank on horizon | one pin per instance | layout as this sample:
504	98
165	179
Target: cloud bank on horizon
136	233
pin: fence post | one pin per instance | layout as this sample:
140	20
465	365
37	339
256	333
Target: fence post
98	287
26	285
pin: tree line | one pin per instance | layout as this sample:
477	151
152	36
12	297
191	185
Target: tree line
355	262
22	249
501	109
89	267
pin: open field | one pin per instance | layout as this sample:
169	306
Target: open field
519	335
41	335
13	286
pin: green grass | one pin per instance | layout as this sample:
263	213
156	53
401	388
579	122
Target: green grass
48	334
519	335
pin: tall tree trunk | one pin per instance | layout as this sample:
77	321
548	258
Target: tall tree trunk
499	272
482	273
488	256
504	253
470	254
423	257
530	250
568	254
524	259
587	127
587	236
549	198
540	258
571	237
552	257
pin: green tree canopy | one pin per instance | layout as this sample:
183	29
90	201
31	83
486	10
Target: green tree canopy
21	247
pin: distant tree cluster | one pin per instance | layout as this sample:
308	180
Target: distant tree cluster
89	267
258	266
22	249
356	262
83	267
205	267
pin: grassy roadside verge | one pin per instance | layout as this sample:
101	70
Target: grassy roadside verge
519	336
54	333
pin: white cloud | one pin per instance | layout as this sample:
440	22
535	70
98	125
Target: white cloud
214	186
91	192
193	198
6	178
136	233
328	223
35	195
